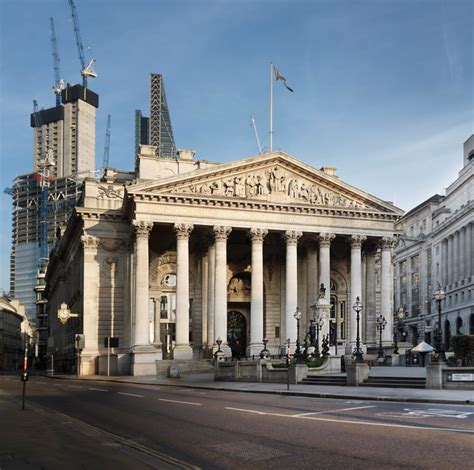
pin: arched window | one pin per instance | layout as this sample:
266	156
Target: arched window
447	334
459	326
471	324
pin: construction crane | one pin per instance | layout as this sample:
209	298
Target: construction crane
58	82
105	162
254	127
43	177
85	71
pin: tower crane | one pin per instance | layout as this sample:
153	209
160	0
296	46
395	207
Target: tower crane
85	71
254	127
105	162
43	177
58	82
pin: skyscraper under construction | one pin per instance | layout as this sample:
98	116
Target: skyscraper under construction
67	133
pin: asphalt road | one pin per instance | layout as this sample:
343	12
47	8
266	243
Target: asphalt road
145	426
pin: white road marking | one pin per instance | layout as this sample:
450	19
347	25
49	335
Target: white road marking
130	394
75	386
98	389
431	412
358	423
334	411
183	402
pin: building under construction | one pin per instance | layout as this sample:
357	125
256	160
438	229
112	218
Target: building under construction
156	130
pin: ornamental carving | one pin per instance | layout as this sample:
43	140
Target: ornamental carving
271	184
89	241
183	231
109	192
292	236
258	234
325	239
142	228
357	240
221	233
387	243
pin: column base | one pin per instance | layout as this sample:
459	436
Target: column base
159	351
183	351
254	349
143	360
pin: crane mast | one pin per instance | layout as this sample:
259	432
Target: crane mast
58	82
254	127
43	178
105	162
86	71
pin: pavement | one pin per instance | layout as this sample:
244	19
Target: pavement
206	382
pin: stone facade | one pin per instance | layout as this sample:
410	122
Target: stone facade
186	253
437	249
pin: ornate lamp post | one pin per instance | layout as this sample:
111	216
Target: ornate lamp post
319	316
381	322
439	295
358	353
297	316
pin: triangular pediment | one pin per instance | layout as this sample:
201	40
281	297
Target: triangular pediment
275	178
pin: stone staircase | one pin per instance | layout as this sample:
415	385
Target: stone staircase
395	382
325	379
386	382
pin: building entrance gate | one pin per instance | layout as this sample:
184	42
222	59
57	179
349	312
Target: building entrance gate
237	333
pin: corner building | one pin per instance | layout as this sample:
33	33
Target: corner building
185	252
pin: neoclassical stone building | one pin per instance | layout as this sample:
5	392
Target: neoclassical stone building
183	252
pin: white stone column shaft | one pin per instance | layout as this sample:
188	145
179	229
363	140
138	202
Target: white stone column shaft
204	298
356	283
325	240
291	237
256	301
386	288
469	251
462	253
141	333
456	275
370	298
450	259
211	295
312	288
182	349
220	312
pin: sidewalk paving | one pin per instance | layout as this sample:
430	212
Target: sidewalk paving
205	381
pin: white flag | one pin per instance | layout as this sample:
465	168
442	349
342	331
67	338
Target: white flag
279	76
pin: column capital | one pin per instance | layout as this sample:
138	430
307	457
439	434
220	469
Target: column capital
387	243
292	236
258	234
142	228
221	232
183	231
89	241
357	240
325	239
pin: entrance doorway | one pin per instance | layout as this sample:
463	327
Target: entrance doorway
237	333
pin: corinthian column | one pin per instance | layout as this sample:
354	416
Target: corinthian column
386	244
291	237
220	303
141	334
182	350
356	281
256	303
211	282
325	240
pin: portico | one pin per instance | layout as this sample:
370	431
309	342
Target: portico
228	252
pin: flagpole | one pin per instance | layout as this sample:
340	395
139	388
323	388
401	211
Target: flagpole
271	107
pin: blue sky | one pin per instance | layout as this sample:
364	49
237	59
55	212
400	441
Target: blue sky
383	88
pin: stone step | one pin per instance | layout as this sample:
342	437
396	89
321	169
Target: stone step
392	385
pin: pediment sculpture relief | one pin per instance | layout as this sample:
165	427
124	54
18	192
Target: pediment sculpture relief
271	184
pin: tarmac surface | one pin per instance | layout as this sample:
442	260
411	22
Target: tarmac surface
206	381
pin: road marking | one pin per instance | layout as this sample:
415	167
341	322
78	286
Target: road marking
431	412
358	423
74	386
183	402
98	389
334	411
130	394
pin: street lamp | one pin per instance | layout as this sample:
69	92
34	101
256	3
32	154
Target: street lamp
381	322
297	316
318	318
439	295
357	353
